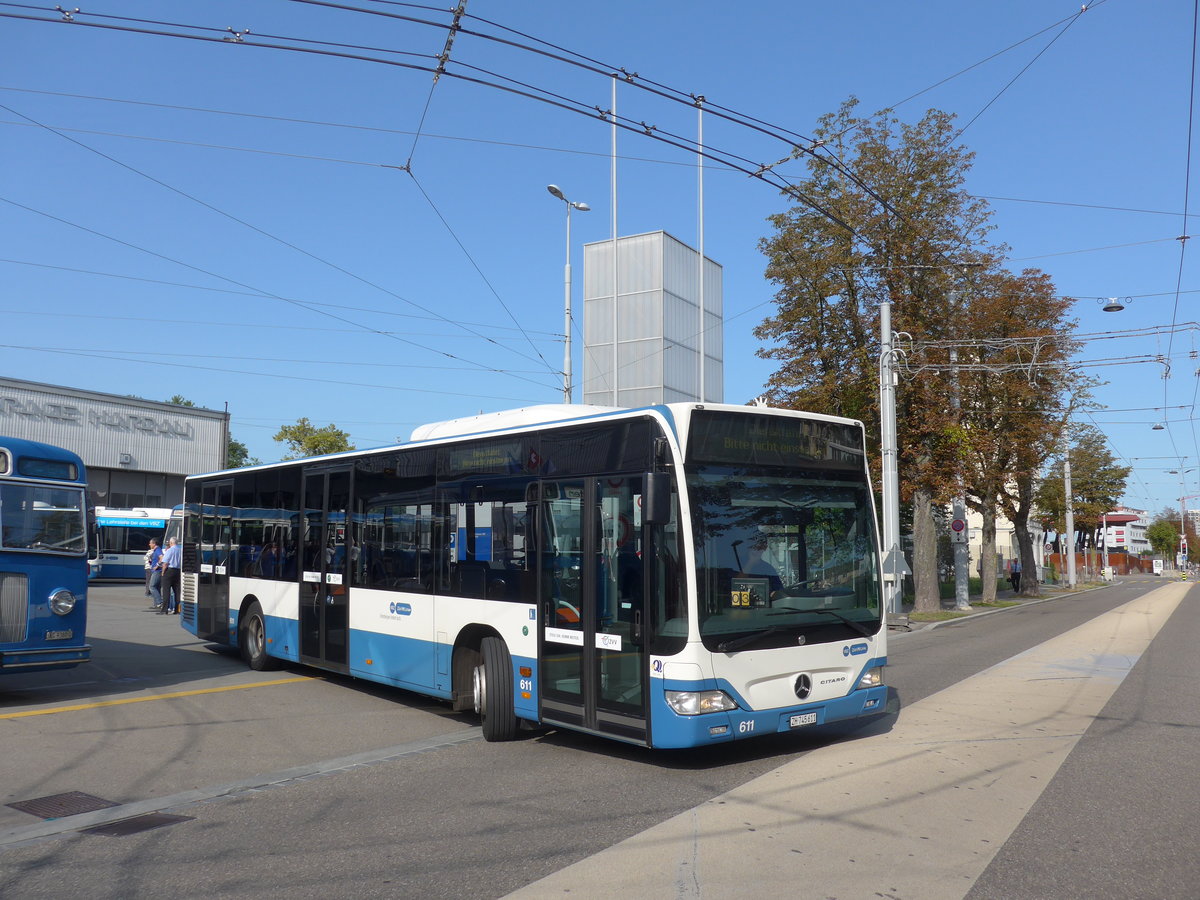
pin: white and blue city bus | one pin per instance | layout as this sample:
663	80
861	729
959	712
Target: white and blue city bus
672	576
43	557
124	538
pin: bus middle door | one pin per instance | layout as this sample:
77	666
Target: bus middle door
325	589
214	546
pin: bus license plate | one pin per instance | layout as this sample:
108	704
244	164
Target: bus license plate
59	635
797	721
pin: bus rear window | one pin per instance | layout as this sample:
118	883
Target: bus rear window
59	470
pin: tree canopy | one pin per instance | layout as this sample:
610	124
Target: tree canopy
304	439
1097	483
883	214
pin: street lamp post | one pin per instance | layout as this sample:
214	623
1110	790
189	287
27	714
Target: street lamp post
582	207
1104	542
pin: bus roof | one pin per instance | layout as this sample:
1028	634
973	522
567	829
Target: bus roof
527	417
20	448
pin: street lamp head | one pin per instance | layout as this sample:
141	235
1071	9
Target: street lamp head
557	192
1113	304
581	206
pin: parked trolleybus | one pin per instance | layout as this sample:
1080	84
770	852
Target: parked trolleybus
43	557
124	538
671	576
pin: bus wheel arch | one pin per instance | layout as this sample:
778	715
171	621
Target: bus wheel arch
252	636
483	681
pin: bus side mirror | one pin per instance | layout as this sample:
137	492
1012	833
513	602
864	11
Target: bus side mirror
656	502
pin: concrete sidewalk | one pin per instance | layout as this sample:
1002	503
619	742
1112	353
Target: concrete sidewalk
916	810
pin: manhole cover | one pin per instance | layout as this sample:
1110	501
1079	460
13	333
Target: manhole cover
58	805
136	824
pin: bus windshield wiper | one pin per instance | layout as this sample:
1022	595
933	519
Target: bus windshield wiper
780	610
747	639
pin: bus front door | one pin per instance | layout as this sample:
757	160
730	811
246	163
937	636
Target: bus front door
324	591
593	667
214	547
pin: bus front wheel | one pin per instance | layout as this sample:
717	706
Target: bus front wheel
492	683
253	640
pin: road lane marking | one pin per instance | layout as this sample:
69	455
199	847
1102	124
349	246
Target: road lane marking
171	696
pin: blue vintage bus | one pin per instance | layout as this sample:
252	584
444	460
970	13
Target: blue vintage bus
43	557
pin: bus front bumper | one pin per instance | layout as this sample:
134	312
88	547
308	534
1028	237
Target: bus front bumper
43	658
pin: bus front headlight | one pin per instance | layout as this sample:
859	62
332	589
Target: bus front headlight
62	602
696	703
871	678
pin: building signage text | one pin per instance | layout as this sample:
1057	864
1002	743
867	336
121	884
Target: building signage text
69	414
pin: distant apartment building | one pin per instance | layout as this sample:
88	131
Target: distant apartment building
1126	531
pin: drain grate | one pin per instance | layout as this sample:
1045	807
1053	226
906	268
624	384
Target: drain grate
56	806
135	825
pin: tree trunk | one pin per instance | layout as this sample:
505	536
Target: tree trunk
987	562
1029	580
925	580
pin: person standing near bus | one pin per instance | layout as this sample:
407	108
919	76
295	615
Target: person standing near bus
172	560
154	573
150	561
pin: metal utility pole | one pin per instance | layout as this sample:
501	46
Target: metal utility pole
1069	549
582	207
959	536
894	566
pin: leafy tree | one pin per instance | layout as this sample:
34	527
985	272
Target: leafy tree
1164	538
304	439
239	455
916	238
1097	483
1166	527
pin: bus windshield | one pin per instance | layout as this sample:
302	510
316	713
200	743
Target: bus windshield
38	517
783	557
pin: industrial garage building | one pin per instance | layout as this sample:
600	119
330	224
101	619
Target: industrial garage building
137	452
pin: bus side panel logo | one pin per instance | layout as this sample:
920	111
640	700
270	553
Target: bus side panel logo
400	609
855	650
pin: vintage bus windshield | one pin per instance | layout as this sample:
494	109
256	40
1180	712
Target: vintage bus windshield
37	517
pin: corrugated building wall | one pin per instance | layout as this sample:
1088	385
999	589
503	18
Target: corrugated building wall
658	323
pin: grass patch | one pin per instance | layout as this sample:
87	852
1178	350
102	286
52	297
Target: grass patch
998	604
943	615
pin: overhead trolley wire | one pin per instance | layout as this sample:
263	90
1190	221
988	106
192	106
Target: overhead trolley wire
297	303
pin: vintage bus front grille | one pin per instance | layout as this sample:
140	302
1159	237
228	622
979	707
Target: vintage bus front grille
14	607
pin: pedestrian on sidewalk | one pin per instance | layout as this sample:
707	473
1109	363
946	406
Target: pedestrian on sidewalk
1014	576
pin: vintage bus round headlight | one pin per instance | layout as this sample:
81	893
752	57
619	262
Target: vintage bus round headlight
62	602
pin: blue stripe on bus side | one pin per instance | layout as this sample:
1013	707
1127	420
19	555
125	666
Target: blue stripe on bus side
402	662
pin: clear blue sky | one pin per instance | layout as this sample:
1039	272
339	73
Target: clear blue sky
163	269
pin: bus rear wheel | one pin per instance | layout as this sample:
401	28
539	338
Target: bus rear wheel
492	684
253	640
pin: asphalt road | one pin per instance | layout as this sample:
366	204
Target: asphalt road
298	785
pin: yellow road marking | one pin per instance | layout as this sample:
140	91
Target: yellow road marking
170	696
